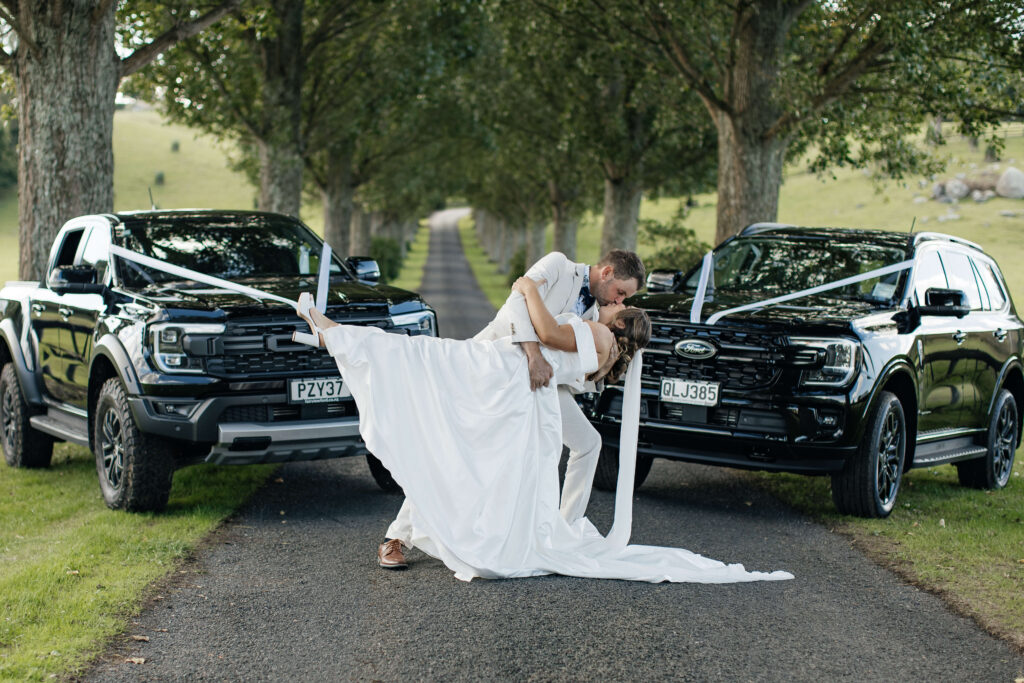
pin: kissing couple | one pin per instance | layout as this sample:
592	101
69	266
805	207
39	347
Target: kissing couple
475	435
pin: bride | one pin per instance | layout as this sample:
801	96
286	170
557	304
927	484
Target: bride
476	451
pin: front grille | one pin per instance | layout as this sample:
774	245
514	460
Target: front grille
287	412
263	347
745	360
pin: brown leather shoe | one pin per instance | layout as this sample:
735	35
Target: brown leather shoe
389	555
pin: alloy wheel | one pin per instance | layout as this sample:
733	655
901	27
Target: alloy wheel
7	423
887	474
112	448
1006	440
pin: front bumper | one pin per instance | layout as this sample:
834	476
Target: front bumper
258	439
808	435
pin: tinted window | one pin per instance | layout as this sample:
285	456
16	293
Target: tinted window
229	247
69	247
992	284
928	274
97	250
961	276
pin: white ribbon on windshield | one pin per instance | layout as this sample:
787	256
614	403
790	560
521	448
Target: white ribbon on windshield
622	527
188	274
878	272
706	269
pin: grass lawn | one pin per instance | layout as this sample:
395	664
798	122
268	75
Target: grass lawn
964	544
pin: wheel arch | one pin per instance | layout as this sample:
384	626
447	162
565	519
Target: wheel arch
10	352
900	382
1012	379
109	360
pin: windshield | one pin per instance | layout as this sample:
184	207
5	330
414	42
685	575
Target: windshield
227	247
774	266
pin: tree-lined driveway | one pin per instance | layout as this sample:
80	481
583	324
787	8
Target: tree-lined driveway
289	590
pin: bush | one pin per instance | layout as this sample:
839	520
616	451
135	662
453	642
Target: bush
516	266
175	146
388	255
677	246
159	179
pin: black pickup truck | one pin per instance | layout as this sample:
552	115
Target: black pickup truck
153	371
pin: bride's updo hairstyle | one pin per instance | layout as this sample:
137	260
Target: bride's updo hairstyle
633	336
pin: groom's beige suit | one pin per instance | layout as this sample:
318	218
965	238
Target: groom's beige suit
560	281
560	291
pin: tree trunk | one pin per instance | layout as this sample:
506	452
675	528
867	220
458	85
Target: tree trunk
337	201
362	222
621	212
565	223
535	234
280	145
750	152
66	79
749	177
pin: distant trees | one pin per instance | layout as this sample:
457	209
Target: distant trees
62	59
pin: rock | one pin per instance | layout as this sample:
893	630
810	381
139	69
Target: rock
1011	184
949	217
956	188
938	190
1008	214
946	200
980	196
920	200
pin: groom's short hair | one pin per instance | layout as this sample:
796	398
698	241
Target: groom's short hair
626	265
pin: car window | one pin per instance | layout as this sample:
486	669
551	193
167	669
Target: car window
928	274
961	276
96	250
992	283
69	247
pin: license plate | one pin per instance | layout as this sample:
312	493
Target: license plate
689	392
320	390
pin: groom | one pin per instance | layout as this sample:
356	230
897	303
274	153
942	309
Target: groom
565	287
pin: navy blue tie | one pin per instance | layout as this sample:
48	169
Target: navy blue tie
586	298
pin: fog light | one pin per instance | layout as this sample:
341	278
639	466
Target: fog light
176	409
828	419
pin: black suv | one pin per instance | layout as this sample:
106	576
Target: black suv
914	367
153	371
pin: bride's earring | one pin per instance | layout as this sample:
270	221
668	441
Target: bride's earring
305	303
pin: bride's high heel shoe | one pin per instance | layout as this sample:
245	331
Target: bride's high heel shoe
305	303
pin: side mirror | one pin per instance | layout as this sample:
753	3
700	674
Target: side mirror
74	279
366	269
945	302
663	280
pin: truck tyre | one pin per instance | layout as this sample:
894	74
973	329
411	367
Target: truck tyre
869	482
135	470
992	471
381	475
606	476
23	446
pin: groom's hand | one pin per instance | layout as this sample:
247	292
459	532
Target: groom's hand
540	369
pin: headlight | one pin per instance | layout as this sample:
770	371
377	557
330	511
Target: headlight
840	361
170	341
420	322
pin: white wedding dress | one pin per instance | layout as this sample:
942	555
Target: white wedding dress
476	452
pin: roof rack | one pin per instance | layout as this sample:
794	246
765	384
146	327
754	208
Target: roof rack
943	237
755	228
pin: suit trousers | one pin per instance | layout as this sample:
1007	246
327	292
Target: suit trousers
584	443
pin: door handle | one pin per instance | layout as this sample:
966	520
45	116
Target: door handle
65	312
1000	335
959	336
38	309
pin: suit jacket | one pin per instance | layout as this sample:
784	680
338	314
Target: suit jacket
564	279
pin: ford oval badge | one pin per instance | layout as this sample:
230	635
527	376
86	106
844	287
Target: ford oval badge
696	349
